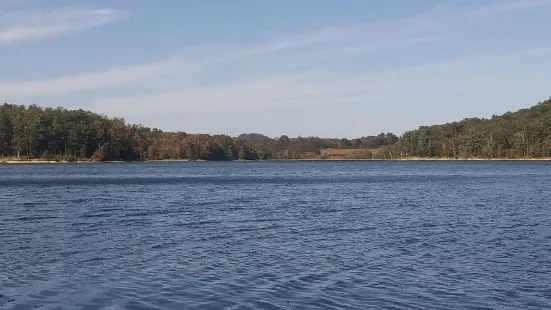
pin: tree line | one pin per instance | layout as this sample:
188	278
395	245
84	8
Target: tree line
61	134
522	134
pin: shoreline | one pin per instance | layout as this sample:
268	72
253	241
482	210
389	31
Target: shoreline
412	159
418	159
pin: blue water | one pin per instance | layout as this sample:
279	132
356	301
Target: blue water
276	235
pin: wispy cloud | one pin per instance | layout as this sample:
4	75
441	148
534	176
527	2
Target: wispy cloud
331	41
326	43
308	88
89	81
310	51
18	26
510	6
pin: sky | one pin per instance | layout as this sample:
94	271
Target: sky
330	68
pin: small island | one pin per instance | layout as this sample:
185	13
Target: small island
42	135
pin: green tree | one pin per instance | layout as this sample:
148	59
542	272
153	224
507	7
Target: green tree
6	133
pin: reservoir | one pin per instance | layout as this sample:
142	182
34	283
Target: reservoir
276	235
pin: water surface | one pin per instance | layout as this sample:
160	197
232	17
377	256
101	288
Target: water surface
276	235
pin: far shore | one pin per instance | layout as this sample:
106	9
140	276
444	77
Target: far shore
417	159
41	161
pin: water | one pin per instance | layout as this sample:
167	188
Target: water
276	235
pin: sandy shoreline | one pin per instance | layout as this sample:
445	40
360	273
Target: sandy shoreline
41	162
471	159
38	161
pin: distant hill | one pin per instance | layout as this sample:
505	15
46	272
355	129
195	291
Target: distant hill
522	134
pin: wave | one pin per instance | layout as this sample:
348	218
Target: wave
220	180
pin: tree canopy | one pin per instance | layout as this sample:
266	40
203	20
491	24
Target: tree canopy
522	134
61	134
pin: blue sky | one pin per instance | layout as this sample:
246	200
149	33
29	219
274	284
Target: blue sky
311	67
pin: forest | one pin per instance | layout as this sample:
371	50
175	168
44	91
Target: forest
524	134
32	132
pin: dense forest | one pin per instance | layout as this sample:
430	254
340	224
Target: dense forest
522	134
31	132
60	134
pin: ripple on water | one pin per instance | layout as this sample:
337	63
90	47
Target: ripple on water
268	235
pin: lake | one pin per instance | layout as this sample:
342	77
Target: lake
276	235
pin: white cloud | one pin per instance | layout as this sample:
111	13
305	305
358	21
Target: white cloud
18	26
324	45
505	6
89	81
277	90
307	88
344	40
